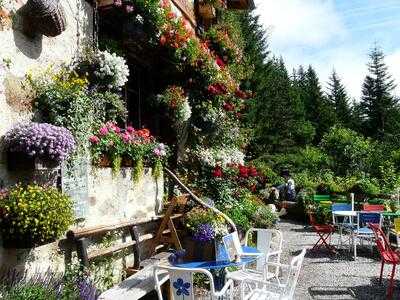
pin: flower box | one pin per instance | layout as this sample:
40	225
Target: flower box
17	161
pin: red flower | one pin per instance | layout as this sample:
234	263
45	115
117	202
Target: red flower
217	89
229	106
240	94
94	139
217	172
220	62
253	172
171	15
243	171
145	133
163	40
165	4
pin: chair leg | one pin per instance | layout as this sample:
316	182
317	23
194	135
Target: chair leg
390	292
382	267
355	247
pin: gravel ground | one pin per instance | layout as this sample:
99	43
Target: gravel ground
330	276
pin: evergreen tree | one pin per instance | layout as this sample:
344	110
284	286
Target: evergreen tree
278	114
338	98
377	104
318	109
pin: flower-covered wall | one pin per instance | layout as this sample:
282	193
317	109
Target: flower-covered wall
21	54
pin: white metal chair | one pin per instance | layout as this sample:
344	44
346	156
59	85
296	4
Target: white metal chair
181	283
268	242
281	289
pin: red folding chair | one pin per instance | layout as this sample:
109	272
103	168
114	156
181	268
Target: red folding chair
388	256
373	207
324	232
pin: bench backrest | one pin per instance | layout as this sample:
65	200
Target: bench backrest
319	198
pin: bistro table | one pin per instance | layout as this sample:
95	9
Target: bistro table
217	268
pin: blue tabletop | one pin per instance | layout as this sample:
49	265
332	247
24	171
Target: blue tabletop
212	265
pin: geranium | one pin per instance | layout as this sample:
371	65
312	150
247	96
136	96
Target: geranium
243	171
41	140
253	171
217	89
160	150
220	62
217	171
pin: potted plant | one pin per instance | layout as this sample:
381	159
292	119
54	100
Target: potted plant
33	215
204	230
38	144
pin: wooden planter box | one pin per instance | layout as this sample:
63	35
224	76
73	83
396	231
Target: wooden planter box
196	251
17	161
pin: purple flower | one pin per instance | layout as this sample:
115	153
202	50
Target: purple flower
41	140
204	233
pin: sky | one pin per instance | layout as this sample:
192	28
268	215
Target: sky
333	34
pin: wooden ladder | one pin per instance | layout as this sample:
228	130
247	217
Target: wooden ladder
167	225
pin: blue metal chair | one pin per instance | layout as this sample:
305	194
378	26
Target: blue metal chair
362	231
341	222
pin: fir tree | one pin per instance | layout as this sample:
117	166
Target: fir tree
278	114
318	109
339	99
377	104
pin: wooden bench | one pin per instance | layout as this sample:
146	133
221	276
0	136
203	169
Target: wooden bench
148	245
139	284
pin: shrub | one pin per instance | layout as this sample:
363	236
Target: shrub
350	152
264	217
41	140
34	215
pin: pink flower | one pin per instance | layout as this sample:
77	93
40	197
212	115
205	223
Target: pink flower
130	129
129	9
126	138
157	152
103	130
94	139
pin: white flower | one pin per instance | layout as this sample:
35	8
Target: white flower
184	112
213	156
114	66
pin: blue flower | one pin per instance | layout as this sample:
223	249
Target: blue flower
182	288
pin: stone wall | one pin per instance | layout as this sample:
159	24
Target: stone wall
20	54
114	198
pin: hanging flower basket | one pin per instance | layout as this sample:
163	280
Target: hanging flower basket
5	19
207	11
46	17
241	4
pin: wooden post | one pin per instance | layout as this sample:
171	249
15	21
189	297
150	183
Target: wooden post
81	249
136	248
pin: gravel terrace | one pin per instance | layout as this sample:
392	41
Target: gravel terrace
329	276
